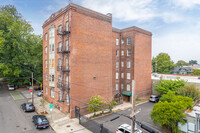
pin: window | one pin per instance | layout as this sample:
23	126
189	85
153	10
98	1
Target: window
59	78
122	86
122	130
59	62
117	87
122	64
126	131
128	88
52	78
117	75
52	47
59	46
128	41
128	76
49	78
122	52
52	62
67	99
49	47
60	28
46	50
52	93
46	90
45	76
117	41
46	37
67	80
117	64
128	52
67	63
45	63
60	95
122	75
67	26
67	45
122	41
128	64
117	53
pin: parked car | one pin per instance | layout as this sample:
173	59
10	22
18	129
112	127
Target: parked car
28	107
40	93
40	121
126	128
11	87
37	88
154	98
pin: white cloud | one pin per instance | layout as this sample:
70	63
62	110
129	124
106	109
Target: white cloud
50	8
186	4
171	17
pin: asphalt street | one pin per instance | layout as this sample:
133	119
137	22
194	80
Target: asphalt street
12	118
143	116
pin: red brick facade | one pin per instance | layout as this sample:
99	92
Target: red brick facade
92	57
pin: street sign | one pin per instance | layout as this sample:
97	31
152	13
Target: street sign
31	90
51	106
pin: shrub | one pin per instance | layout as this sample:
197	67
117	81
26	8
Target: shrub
112	104
95	102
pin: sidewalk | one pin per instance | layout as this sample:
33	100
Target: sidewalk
60	122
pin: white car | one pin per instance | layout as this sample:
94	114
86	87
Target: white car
126	128
11	87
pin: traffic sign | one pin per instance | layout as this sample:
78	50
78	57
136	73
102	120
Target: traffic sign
51	106
30	87
31	90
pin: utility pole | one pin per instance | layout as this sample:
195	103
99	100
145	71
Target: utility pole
32	89
133	107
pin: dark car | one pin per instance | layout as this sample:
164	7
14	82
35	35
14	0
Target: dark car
28	107
37	88
154	98
40	121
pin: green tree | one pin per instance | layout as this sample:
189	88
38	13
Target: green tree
195	72
96	103
170	111
112	104
189	91
162	63
181	63
192	62
169	85
20	50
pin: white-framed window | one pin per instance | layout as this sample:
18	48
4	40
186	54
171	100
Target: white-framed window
128	87
52	47
45	63
59	46
117	64
122	86
128	64
67	44
46	50
67	25
117	41
117	75
122	41
59	78
52	78
60	95
122	63
128	52
117	53
117	87
60	28
45	76
46	90
67	63
59	62
52	93
128	41
128	76
45	36
49	78
122	52
49	47
67	99
67	80
122	75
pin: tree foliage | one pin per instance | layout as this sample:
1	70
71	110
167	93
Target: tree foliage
96	101
189	91
112	104
192	62
195	72
181	63
169	85
20	50
162	63
170	110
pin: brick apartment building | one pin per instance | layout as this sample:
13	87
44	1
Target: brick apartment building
84	56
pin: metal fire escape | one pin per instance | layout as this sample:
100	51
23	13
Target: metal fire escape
64	53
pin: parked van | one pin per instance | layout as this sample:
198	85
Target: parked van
11	87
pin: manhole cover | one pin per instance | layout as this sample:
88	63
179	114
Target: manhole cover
68	126
24	128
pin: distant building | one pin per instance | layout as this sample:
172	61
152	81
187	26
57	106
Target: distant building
182	70
83	56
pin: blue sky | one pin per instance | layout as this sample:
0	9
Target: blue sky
175	24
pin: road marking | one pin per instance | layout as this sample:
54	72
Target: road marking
16	95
